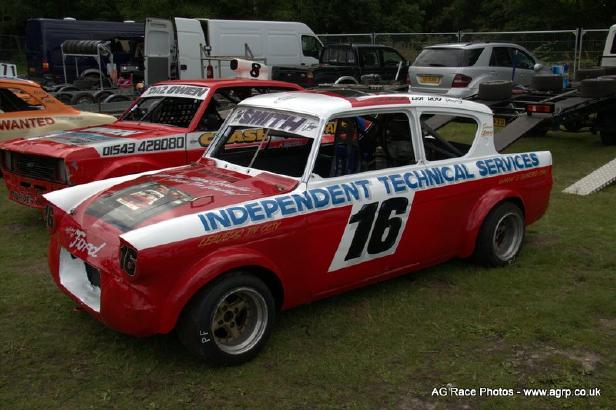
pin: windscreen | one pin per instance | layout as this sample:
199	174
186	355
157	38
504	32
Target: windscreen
174	105
267	140
447	57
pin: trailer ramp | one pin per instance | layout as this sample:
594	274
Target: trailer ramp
595	181
515	130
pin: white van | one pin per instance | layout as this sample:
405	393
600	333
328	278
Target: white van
174	49
609	52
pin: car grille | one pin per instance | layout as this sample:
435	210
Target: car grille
35	167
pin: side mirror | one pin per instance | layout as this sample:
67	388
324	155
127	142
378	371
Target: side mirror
538	67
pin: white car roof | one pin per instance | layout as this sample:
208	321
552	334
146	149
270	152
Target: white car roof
326	104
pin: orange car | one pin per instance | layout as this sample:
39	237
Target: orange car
26	110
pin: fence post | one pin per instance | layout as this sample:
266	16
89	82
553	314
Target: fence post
460	35
580	47
575	49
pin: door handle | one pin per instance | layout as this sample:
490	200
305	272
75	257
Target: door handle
183	67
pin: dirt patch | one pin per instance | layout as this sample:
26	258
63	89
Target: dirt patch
607	324
414	403
542	359
543	239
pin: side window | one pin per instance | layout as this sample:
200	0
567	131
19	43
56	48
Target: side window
339	56
613	49
452	140
350	56
501	57
365	143
391	57
369	57
311	47
523	60
13	100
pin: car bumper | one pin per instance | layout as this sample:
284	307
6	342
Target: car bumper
448	92
107	297
28	191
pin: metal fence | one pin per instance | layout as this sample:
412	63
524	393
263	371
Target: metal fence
579	48
12	48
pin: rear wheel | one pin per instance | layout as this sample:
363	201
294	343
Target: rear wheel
229	321
501	235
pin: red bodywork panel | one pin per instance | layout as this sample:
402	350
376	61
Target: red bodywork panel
121	148
300	251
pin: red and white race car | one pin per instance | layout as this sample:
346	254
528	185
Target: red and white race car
169	125
217	247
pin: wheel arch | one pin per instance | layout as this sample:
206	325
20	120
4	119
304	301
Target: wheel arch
482	208
214	268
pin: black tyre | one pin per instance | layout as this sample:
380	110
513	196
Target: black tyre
547	82
83	84
540	130
101	95
608	137
495	90
597	87
64	97
116	98
501	235
573	124
229	321
585	73
67	88
83	98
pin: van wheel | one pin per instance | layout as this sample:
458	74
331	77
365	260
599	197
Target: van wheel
501	235
229	321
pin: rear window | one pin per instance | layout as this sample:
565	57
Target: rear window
338	55
447	57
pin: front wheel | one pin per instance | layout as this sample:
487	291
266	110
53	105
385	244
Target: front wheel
501	235
229	321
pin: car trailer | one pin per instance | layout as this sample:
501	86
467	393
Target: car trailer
590	103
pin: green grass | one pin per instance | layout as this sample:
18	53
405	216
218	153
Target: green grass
548	321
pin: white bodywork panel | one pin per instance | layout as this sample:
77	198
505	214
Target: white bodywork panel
74	278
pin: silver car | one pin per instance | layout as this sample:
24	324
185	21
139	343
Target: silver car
457	70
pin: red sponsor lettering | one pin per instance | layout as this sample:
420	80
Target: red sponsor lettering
367	102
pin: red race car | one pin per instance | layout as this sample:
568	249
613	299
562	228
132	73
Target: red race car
169	125
216	248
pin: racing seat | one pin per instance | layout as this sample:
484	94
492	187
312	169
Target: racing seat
398	143
347	154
